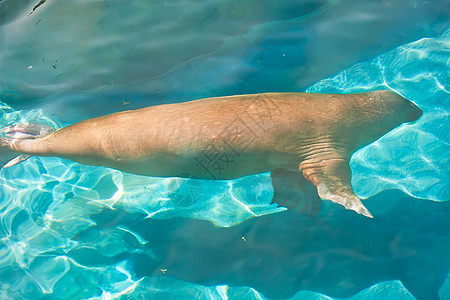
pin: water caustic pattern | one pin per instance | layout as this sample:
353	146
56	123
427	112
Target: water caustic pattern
73	231
70	231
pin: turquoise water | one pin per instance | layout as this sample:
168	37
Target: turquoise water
70	231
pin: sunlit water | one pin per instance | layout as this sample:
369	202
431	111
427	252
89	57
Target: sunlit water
72	231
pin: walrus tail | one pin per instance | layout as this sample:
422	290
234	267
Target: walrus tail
15	134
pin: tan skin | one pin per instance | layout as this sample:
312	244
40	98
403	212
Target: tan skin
235	136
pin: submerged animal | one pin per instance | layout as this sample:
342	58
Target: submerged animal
305	140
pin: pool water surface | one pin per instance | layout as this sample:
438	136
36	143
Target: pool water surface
70	231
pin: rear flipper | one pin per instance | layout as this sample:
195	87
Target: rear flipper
332	177
293	191
15	133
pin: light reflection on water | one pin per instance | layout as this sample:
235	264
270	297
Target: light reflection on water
69	230
88	57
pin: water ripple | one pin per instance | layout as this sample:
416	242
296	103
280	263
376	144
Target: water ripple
51	243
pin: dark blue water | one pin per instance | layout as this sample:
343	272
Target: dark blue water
70	231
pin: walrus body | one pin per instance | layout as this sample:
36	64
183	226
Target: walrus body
293	135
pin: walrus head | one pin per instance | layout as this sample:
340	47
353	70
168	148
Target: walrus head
396	107
379	112
363	119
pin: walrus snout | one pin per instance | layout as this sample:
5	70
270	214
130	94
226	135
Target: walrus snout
405	107
415	112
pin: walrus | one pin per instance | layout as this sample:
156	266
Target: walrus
305	140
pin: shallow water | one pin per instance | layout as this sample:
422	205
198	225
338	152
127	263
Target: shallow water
73	231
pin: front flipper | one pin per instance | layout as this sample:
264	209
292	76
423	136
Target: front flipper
292	190
332	177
